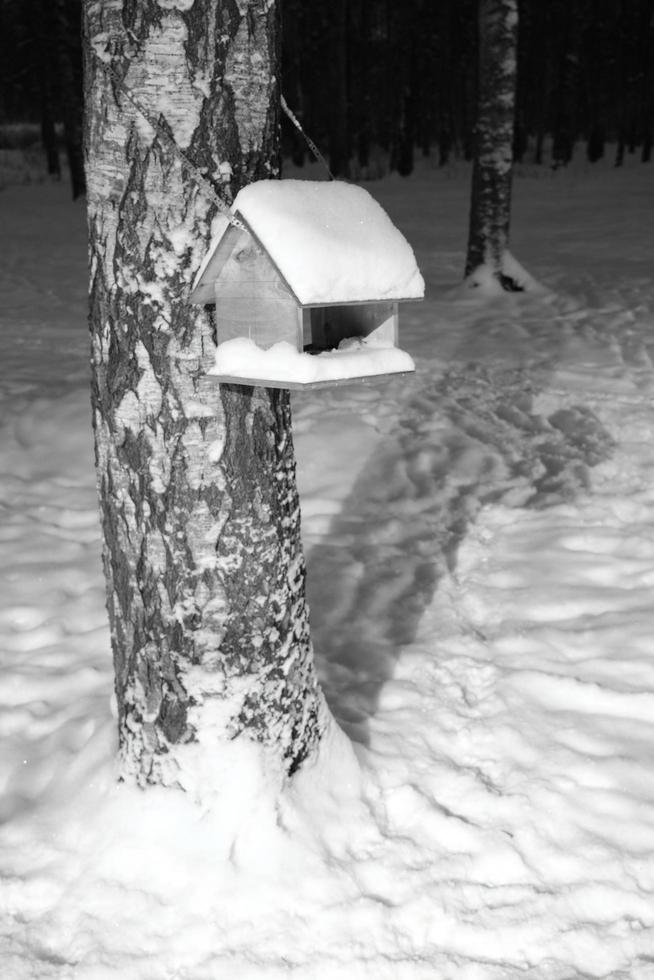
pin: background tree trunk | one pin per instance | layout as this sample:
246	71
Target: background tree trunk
490	208
67	29
42	13
360	95
199	505
567	26
407	78
337	108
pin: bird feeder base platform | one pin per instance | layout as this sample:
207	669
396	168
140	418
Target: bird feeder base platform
230	379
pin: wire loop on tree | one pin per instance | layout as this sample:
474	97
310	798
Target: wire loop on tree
312	146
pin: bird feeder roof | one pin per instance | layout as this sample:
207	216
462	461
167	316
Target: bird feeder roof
331	242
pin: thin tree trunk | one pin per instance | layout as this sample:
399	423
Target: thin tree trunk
360	96
407	80
66	35
534	72
490	208
595	144
621	147
48	131
564	99
647	81
337	109
199	505
44	69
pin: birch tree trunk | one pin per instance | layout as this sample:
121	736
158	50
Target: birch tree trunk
199	505
490	207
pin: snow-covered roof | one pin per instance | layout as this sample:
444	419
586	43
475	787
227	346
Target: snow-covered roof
331	242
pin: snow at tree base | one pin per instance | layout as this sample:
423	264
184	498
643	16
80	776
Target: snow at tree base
480	543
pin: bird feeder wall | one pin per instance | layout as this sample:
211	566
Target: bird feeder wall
252	300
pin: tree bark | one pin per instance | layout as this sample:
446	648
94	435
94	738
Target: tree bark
199	505
490	208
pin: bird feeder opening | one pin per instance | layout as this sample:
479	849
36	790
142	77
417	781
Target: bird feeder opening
306	289
325	327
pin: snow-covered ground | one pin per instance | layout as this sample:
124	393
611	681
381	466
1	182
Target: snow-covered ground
480	542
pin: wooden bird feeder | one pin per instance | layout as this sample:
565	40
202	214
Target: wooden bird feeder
313	279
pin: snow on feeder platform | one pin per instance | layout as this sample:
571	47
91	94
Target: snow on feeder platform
307	292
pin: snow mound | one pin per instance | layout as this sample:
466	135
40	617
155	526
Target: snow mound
242	358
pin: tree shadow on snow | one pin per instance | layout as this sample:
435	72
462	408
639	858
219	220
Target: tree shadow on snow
469	438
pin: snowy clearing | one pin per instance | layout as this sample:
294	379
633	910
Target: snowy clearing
480	542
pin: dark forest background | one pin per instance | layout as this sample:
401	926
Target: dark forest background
398	76
376	82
